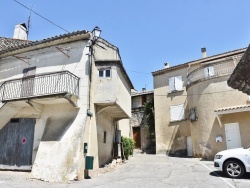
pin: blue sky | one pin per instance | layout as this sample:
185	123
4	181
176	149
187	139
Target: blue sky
148	33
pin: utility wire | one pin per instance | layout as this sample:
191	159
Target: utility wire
138	72
41	16
209	93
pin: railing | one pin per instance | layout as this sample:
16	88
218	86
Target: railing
63	82
223	68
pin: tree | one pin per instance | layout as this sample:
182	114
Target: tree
150	117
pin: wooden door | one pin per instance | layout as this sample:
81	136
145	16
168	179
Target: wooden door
137	136
16	141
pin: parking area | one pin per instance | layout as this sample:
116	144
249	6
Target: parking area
143	171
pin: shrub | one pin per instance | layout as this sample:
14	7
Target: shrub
128	146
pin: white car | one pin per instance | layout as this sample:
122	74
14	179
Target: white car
233	162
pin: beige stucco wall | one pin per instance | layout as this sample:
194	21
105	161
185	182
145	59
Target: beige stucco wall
104	123
114	90
106	94
208	96
170	135
125	127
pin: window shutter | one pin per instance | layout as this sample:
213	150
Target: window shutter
178	83
206	72
211	71
171	84
173	113
177	112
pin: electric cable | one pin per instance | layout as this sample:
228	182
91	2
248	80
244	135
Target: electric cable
41	16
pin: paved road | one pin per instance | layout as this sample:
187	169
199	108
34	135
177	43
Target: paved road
144	171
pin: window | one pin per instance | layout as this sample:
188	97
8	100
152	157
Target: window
101	73
104	136
175	84
105	73
108	73
177	112
209	71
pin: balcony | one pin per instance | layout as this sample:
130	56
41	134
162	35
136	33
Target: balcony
210	71
41	85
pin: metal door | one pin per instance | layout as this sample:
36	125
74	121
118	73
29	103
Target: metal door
233	137
16	141
189	146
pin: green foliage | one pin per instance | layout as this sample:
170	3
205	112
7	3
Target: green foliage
150	117
128	146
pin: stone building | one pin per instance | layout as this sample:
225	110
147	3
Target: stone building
57	94
144	139
196	113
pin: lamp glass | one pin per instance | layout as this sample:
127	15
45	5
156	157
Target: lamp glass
96	32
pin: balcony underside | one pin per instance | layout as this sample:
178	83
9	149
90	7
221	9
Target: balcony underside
113	110
48	99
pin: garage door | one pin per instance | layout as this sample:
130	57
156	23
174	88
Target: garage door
233	137
16	141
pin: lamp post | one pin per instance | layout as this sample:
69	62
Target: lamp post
90	159
96	33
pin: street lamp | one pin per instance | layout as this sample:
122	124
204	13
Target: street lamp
96	33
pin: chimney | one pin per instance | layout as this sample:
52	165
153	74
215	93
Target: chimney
204	52
166	65
20	32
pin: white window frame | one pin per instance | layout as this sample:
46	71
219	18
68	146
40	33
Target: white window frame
177	112
175	84
104	73
209	71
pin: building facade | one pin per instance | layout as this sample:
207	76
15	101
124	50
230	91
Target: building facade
56	95
196	113
144	138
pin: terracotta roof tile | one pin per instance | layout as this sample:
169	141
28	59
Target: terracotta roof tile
232	108
202	60
8	43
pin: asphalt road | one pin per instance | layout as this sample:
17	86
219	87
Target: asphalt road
143	171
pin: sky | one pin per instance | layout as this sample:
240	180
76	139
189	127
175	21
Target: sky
148	33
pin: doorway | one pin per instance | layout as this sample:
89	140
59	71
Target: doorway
233	138
137	136
189	146
16	140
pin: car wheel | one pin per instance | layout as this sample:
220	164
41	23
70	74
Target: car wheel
234	169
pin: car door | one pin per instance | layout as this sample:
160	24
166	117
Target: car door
248	161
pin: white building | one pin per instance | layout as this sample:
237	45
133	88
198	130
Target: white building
55	96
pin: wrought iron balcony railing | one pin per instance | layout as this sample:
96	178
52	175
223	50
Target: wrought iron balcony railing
63	82
211	71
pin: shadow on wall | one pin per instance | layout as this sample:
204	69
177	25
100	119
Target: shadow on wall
56	127
207	150
177	145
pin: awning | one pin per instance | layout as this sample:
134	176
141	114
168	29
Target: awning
230	110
